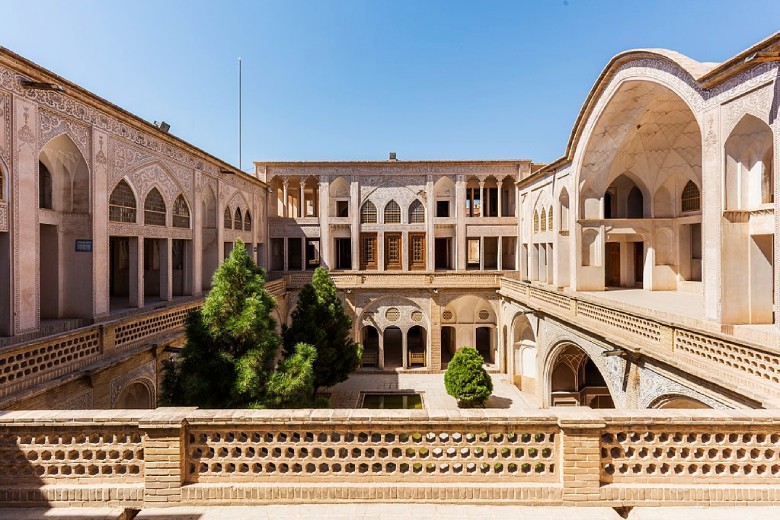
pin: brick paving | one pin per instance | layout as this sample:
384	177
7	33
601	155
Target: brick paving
347	394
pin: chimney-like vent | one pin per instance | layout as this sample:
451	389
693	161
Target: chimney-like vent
392	157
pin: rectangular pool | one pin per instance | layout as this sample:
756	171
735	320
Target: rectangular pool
392	401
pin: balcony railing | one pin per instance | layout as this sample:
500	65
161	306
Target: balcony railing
185	456
752	370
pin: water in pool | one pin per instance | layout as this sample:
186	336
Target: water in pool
393	401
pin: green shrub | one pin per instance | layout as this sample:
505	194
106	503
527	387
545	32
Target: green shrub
466	380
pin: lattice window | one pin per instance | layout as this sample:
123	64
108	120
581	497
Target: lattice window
154	209
227	219
550	219
368	251
121	204
181	213
393	314
543	221
247	221
392	213
368	213
536	221
691	197
418	250
44	186
238	220
416	213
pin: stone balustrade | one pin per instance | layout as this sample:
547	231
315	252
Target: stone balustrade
751	369
40	361
186	456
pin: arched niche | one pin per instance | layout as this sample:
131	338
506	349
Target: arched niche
749	175
573	379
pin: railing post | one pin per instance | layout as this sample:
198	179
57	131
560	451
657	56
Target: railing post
164	455
580	460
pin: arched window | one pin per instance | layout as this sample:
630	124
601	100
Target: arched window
536	221
564	213
416	213
44	186
228	219
2	183
181	213
154	209
549	219
392	213
238	220
121	204
543	221
368	213
247	221
691	198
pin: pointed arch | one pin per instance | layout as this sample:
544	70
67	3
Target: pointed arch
154	209
44	187
69	174
122	206
227	219
368	213
536	221
563	209
209	206
416	212
181	212
247	221
550	218
392	213
543	220
238	220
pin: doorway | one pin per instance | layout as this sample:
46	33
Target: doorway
442	253
344	253
639	263
612	267
393	347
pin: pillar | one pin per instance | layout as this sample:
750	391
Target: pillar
165	454
434	335
405	348
284	198
711	216
301	205
481	252
166	269
581	458
460	214
303	253
430	230
324	198
482	205
100	249
500	252
381	355
354	213
136	289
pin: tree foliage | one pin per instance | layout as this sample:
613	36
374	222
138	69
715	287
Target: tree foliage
466	379
319	320
232	346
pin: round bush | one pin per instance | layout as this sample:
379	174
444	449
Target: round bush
466	380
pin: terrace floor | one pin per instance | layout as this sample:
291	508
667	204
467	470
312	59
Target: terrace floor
435	397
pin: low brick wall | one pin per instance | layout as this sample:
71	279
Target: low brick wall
185	456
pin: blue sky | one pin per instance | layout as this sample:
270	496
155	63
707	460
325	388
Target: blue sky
353	80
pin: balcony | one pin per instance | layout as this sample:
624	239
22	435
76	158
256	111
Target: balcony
748	366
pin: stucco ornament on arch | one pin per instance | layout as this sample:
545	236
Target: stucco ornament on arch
611	368
653	386
662	72
157	176
376	314
144	374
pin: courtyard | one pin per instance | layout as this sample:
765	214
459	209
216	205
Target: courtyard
347	394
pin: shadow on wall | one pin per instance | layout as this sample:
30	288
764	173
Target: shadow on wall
22	468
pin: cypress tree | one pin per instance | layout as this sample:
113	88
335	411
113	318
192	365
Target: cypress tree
232	345
319	319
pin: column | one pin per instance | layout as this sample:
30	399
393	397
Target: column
500	259
381	355
284	198
430	233
405	349
460	214
354	213
136	282
301	205
482	205
100	248
711	231
501	198
303	253
481	253
324	198
285	250
196	214
166	269
434	335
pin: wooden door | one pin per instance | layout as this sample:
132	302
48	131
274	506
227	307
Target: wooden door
416	250
612	267
393	252
639	263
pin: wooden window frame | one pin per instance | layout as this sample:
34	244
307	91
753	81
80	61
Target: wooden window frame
368	262
414	266
394	266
